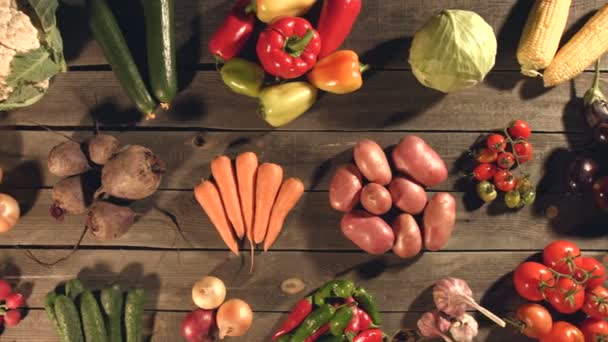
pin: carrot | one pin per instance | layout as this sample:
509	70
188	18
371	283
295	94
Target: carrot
289	195
208	196
268	183
246	169
223	174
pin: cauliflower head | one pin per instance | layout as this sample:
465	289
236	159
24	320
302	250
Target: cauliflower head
31	51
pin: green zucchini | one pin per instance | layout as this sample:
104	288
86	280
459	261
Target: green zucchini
49	307
68	319
92	320
111	301
134	314
73	288
160	34
107	33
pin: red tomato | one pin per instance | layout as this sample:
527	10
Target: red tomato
590	271
563	332
505	160
537	321
567	296
523	149
496	142
596	302
594	330
484	172
485	155
519	129
530	278
504	180
560	255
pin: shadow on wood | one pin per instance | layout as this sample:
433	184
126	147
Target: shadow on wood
72	20
29	172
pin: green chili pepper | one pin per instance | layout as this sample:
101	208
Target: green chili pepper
313	322
368	303
284	338
331	338
280	104
334	288
243	77
340	320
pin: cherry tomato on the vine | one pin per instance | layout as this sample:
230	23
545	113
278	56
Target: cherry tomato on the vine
596	302
563	332
484	172
505	160
485	155
567	296
523	149
536	320
513	199
496	142
519	129
15	300
562	256
594	329
486	191
590	271
504	180
530	278
12	317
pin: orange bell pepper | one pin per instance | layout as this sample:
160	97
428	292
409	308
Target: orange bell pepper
338	73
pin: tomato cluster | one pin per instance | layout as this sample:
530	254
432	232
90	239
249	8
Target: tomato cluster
502	153
569	282
10	304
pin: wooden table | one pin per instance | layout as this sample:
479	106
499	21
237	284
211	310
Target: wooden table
207	120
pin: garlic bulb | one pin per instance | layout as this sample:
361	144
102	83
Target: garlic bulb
464	329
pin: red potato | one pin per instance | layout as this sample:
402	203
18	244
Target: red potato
371	161
407	195
438	220
368	232
414	157
345	188
408	240
376	199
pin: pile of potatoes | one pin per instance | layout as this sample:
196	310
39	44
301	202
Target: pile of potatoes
367	190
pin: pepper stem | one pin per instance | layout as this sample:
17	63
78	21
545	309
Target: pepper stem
596	80
296	45
363	67
252	7
594	93
471	302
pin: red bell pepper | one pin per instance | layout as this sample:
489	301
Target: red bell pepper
336	21
315	336
301	310
289	47
230	38
365	321
373	335
354	324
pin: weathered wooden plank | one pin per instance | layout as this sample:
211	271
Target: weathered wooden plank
382	33
167	276
313	225
166	326
312	156
389	100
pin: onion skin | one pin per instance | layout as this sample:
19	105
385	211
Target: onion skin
234	318
9	213
208	293
198	326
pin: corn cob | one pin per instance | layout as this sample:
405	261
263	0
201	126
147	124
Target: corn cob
542	33
581	51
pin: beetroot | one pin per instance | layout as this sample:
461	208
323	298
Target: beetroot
67	159
134	173
108	221
101	148
73	195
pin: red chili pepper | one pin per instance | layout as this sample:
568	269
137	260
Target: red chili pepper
373	335
315	336
289	47
353	326
231	37
365	322
336	21
300	311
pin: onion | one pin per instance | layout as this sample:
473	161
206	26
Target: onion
9	213
208	293
234	318
198	326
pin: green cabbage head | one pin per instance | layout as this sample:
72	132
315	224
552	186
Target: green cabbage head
454	50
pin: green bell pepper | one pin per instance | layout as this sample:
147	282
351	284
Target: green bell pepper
280	104
243	77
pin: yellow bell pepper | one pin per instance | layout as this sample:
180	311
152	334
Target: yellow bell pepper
269	10
282	103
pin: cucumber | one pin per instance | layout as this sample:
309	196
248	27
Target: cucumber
68	319
134	314
49	307
73	289
110	38
111	301
160	34
92	321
